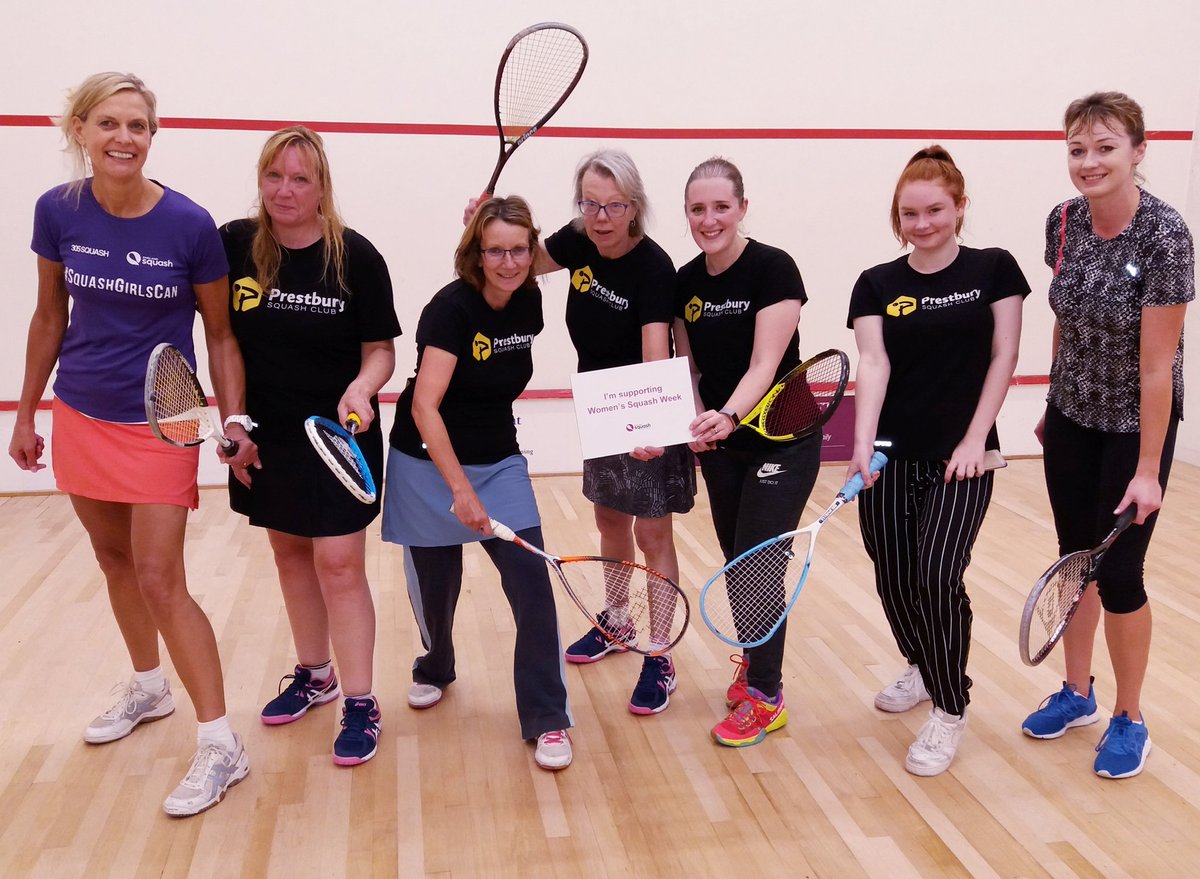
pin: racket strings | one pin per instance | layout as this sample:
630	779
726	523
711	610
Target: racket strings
344	456
539	71
176	398
1061	593
643	608
805	396
752	595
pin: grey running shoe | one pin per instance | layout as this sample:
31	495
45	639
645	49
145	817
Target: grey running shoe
214	770
134	706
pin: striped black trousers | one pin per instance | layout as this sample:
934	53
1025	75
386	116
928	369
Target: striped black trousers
919	530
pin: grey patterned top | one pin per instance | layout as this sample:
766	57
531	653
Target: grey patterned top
1098	296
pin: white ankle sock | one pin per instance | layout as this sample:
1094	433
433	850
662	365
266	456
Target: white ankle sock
320	673
217	732
153	681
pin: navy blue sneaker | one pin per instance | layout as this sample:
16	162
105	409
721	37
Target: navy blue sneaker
1061	711
1123	749
301	694
595	645
654	687
357	741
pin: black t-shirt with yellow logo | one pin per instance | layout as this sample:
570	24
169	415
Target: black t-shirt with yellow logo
302	341
610	300
720	311
495	363
937	330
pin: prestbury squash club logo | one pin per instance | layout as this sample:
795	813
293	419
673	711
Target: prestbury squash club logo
246	294
901	306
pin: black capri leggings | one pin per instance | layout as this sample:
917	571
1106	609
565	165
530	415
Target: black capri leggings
1087	472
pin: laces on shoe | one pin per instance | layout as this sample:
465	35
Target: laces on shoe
357	716
126	703
655	672
1119	733
202	765
554	737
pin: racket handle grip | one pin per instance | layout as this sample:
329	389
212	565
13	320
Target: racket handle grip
228	446
353	423
503	531
855	485
1126	518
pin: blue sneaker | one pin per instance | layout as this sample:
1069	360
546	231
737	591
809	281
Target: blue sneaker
1123	749
1061	711
595	645
301	694
359	737
654	687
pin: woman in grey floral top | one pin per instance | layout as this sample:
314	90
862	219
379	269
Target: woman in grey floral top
1123	275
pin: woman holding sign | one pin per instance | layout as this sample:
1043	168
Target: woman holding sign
737	308
455	463
619	313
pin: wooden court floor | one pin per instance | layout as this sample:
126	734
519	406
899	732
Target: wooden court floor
454	792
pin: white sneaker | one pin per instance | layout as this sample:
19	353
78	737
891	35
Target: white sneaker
214	770
904	693
553	750
134	706
423	695
936	743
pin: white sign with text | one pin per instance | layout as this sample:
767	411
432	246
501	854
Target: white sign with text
623	408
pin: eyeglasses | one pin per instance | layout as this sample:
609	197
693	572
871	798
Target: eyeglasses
497	254
614	209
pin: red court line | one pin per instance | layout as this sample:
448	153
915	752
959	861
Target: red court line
589	132
542	393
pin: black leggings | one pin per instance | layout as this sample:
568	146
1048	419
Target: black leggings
434	576
754	496
1087	472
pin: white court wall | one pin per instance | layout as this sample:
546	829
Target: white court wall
973	66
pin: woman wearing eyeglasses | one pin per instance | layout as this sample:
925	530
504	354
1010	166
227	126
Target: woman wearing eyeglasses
619	312
454	463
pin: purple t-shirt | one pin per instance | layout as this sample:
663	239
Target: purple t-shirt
130	282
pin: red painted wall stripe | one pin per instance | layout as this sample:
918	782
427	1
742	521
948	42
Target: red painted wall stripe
544	393
455	129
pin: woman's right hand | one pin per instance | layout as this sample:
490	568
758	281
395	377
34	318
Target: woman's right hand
26	448
473	205
469	510
860	462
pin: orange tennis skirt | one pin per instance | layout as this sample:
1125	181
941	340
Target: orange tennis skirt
121	463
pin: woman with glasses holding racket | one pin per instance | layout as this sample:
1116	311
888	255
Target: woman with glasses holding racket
1123	274
311	304
737	309
455	463
937	332
124	263
618	313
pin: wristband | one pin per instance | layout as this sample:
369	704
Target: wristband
244	420
732	416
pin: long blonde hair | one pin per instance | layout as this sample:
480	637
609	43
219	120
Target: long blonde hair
265	249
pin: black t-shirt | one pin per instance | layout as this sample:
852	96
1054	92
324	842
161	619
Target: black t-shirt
610	300
720	311
302	341
495	363
937	331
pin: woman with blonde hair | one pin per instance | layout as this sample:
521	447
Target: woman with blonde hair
311	305
125	263
1124	271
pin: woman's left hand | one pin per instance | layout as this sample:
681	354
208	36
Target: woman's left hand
1143	491
966	462
709	428
358	402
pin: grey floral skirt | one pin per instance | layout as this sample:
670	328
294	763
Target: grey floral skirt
648	489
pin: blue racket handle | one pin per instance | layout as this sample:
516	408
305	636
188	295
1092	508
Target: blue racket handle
855	485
